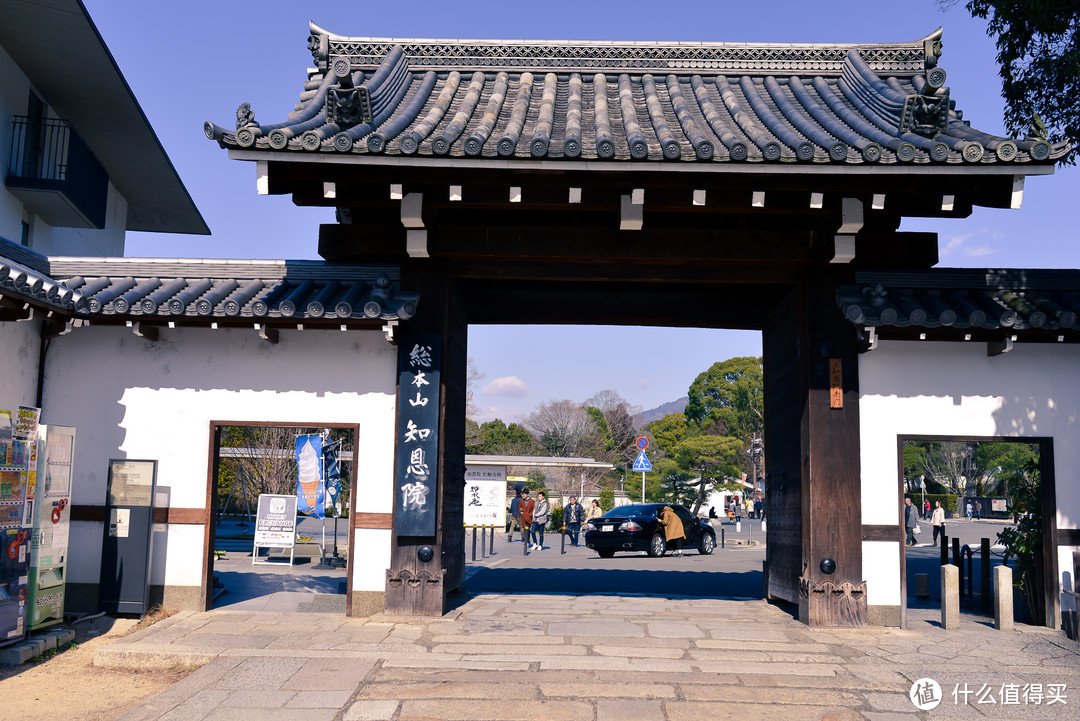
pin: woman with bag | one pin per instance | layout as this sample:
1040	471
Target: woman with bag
539	520
911	521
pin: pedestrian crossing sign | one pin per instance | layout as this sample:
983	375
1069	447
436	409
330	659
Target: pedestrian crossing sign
642	465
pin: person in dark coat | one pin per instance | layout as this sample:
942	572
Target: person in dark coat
911	519
526	509
515	515
573	517
673	528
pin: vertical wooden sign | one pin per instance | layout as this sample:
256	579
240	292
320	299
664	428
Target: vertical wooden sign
836	383
417	435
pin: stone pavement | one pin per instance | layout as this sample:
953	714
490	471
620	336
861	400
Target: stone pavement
593	658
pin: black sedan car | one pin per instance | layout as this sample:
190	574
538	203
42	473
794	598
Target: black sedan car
636	528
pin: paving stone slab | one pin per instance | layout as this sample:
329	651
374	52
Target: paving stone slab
329	675
501	710
711	711
643	651
527	650
258	698
607	690
197	707
371	711
272	714
449	690
596	628
627	710
781	695
260	673
670	629
752	667
320	699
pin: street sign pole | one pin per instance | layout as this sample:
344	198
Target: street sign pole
642	487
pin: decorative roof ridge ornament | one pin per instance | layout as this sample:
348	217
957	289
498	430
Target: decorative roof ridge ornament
686	57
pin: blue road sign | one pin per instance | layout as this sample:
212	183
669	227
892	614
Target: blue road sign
642	465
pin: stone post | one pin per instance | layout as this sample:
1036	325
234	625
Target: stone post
950	597
1003	598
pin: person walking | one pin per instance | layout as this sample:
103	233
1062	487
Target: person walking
539	520
515	514
673	529
926	509
595	511
938	522
573	517
968	509
911	520
978	510
526	510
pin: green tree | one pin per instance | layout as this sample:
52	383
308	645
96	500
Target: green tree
495	438
711	456
1038	44
607	499
729	397
667	432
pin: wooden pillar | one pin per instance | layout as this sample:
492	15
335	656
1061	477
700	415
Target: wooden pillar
832	590
425	566
785	393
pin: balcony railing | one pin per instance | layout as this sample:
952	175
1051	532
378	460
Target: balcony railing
55	175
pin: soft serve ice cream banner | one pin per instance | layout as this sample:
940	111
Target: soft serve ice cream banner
310	487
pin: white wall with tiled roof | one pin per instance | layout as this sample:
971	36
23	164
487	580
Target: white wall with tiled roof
132	398
955	389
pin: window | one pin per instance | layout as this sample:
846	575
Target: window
24	234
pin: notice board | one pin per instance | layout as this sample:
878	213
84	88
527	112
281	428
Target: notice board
126	546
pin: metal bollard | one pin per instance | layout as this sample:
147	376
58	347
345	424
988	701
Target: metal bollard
474	544
944	548
492	541
984	575
956	552
562	541
721	536
483	541
525	541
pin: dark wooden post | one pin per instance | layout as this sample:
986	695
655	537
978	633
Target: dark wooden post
814	549
832	590
425	568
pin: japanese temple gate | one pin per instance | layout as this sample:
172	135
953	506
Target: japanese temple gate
687	184
700	185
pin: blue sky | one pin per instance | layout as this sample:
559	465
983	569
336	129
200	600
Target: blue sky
190	63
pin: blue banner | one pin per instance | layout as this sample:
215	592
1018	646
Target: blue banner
310	487
333	477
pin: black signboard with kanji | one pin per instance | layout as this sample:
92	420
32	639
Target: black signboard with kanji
417	435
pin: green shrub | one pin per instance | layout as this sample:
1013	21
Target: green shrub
607	499
556	517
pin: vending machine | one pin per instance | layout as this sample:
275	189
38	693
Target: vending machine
49	535
17	480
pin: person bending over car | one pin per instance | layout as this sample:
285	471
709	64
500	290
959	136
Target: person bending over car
673	528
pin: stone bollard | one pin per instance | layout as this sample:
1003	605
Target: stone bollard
950	597
1003	598
922	585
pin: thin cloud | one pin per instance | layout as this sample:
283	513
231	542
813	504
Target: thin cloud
507	387
962	244
643	383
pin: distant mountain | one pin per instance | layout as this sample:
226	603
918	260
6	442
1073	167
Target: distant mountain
660	411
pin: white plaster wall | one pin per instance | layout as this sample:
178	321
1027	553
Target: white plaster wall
131	398
19	350
954	389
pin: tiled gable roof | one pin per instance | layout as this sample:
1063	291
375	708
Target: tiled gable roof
1010	300
170	289
703	102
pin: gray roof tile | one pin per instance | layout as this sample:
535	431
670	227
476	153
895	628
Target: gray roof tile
690	102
